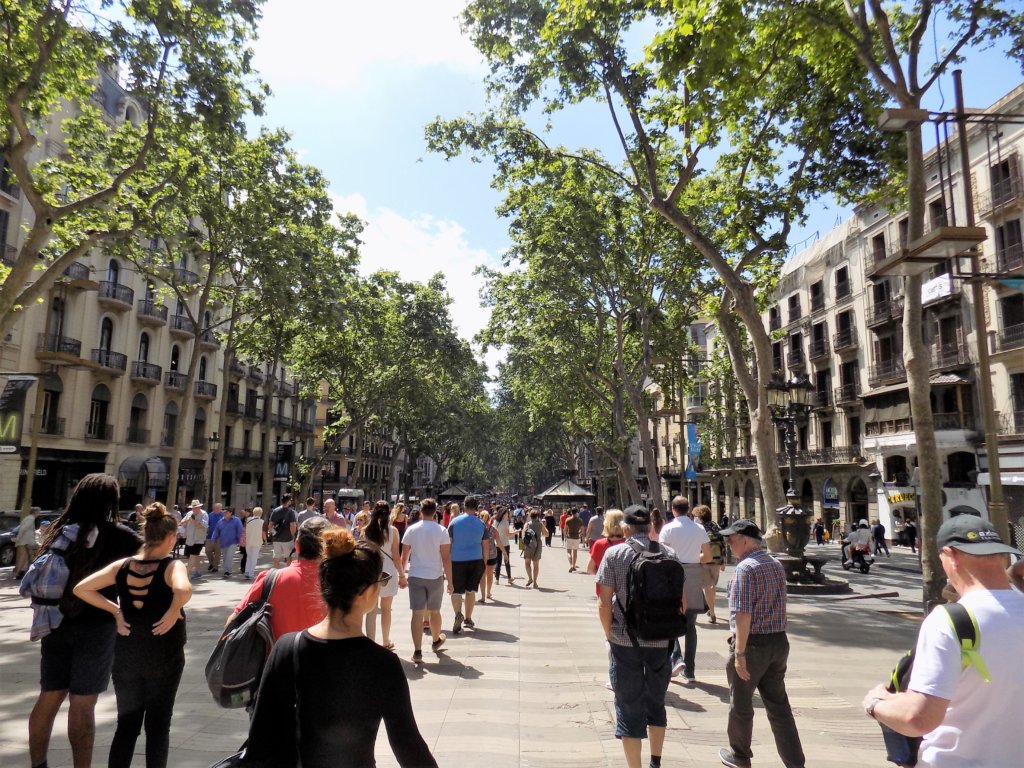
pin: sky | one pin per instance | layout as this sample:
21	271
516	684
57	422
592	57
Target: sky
355	84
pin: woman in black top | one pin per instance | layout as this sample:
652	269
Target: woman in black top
325	690
149	654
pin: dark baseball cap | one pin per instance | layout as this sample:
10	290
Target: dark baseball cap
744	528
636	514
971	534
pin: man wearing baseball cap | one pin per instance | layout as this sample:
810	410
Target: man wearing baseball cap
965	719
759	649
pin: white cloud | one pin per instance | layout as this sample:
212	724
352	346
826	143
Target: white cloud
334	45
418	247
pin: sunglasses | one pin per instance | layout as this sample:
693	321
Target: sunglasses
384	579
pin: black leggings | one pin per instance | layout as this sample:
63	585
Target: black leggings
145	697
508	562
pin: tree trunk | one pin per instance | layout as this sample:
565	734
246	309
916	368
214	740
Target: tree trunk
761	427
222	413
915	358
186	419
270	454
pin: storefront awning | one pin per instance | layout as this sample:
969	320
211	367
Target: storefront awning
140	472
1008	478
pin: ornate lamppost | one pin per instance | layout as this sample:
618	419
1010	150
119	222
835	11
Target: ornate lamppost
214	444
787	402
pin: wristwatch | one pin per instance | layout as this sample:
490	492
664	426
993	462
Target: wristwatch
870	708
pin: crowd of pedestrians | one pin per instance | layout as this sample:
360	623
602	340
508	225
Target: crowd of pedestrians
336	574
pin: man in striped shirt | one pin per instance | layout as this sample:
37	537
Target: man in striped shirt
759	649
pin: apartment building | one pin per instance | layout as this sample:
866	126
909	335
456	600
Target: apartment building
111	355
837	318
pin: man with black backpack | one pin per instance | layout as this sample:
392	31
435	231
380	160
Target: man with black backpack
642	610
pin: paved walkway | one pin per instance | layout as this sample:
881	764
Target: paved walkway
527	687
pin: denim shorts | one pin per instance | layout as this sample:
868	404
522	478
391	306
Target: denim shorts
77	657
426	594
639	678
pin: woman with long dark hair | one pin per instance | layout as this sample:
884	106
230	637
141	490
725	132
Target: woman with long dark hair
305	712
379	531
152	590
76	656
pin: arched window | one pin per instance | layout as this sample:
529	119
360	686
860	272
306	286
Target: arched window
199	429
175	357
144	347
807	495
99	410
137	420
150	291
202	368
170	423
106	334
57	317
113	271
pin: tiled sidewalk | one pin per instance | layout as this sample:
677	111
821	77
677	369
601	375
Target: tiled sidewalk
527	687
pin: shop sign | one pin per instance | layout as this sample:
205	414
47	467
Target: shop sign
12	412
900	496
829	494
283	461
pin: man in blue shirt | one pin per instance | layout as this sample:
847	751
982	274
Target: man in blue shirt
226	535
469	554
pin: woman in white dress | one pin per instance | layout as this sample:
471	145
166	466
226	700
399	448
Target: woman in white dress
380	532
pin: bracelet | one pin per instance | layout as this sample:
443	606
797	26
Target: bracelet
739	653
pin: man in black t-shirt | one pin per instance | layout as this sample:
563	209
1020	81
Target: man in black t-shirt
283	523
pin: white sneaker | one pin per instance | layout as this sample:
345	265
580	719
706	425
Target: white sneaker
677	668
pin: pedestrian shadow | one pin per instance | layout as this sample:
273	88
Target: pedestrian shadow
674	700
552	591
442	664
720	692
490	635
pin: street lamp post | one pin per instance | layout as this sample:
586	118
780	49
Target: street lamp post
214	444
787	402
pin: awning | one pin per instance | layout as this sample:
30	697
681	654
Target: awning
948	378
1008	478
140	472
886	390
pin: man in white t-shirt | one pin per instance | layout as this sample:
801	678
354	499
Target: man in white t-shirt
688	539
427	561
965	719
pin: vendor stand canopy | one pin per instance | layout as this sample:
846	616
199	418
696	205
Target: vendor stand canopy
566	492
454	493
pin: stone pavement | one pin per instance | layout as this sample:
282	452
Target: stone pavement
527	687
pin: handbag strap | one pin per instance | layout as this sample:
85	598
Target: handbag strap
298	722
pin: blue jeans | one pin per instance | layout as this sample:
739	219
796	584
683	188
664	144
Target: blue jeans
689	653
639	678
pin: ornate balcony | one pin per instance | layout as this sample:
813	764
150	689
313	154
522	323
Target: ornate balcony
138	436
182	325
95	430
205	390
847	394
77	275
236	368
885	311
845	339
818	349
844	291
820	399
886	372
151	313
208	339
1011	423
234	408
58	350
110	362
964	421
796	358
8	255
1010	337
1010	258
51	426
146	373
184	277
175	380
116	296
252	413
256	374
953	354
1003	193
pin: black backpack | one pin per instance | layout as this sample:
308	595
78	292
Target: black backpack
235	667
654	594
529	538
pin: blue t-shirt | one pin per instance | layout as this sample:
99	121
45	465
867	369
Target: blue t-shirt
214	521
467	533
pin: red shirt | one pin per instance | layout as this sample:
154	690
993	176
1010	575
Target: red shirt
597	550
295	598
